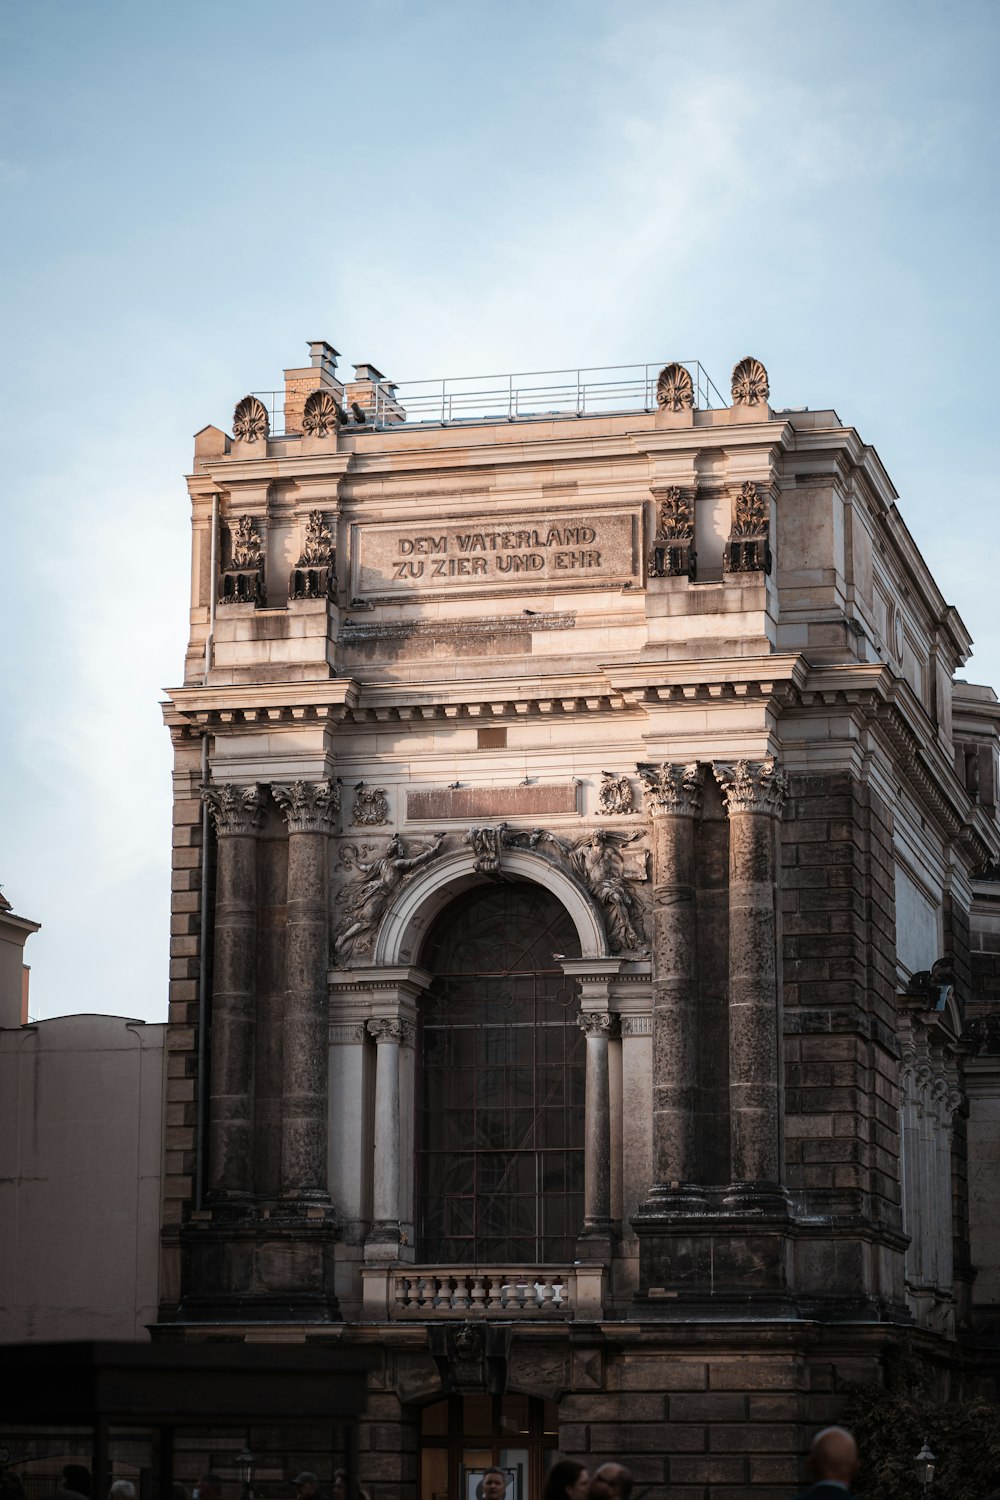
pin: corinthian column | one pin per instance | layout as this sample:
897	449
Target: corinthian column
673	797
309	808
754	793
236	812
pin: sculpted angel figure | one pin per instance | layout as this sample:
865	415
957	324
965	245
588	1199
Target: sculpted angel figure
377	883
596	859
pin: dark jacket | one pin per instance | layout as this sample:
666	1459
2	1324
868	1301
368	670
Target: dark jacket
824	1489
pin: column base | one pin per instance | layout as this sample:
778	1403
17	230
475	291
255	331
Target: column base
307	1204
388	1243
669	1199
596	1242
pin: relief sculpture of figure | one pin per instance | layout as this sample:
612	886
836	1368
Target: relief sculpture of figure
596	859
376	883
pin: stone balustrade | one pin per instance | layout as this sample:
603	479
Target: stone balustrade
417	1292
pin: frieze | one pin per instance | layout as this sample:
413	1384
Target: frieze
403	558
347	1032
637	1025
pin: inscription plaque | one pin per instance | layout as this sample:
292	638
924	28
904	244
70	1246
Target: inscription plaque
490	801
486	554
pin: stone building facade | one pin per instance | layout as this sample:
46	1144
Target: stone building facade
582	856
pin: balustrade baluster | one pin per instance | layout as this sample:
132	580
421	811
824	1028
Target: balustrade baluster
478	1291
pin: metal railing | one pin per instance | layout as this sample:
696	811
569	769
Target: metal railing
528	396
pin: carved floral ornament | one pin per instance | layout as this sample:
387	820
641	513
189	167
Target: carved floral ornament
751	786
317	547
597	1023
234	809
321	416
250	421
753	511
246	543
671	787
615	795
309	806
675	516
674	389
750	387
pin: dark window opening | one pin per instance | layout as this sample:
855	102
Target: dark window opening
500	1121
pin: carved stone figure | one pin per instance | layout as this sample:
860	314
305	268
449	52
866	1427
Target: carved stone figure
750	387
246	543
596	860
321	415
674	389
615	795
371	805
250	422
487	846
672	554
375	884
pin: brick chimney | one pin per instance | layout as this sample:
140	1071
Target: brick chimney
319	375
373	395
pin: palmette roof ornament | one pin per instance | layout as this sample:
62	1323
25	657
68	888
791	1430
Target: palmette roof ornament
750	387
250	422
674	389
321	415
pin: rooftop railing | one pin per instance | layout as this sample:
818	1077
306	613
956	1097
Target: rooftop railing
528	396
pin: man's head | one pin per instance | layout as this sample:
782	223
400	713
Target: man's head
833	1454
306	1484
611	1482
209	1487
494	1484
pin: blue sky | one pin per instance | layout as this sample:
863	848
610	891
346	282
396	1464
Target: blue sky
190	193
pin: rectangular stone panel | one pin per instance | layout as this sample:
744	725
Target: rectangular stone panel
491	552
491	801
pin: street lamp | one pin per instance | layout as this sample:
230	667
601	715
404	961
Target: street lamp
924	1463
245	1464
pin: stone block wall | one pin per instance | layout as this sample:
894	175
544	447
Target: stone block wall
838	941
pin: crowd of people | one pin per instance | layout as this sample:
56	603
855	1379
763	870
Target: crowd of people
832	1465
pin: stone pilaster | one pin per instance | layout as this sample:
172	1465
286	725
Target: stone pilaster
673	796
754	793
236	812
310	810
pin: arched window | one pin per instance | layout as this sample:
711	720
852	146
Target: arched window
500	1112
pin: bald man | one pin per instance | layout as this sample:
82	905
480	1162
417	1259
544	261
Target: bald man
833	1463
611	1482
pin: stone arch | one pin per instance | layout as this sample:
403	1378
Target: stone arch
406	922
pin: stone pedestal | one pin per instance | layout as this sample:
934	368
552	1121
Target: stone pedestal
309	808
236	812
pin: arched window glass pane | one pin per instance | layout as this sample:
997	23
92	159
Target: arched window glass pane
500	1118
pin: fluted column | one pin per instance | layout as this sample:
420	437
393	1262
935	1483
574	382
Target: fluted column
236	812
597	1028
673	796
754	793
310	809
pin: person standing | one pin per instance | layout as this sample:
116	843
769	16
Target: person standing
611	1482
832	1464
566	1480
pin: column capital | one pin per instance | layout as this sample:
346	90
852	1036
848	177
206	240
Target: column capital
751	786
234	809
393	1029
597	1023
308	806
672	787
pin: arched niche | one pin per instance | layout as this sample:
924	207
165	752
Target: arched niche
405	924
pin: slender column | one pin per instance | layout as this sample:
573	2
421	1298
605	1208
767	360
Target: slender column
597	1027
673	796
389	1033
236	811
309	808
754	792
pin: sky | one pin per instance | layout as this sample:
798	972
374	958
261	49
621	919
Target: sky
190	193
